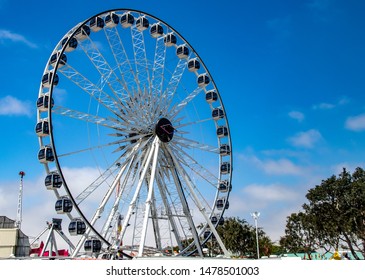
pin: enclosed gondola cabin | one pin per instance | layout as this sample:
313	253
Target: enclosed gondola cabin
45	154
42	128
53	181
224	150
126	20
182	52
63	205
77	227
111	20
170	40
142	23
203	80
217	219
71	45
62	60
43	103
207	234
211	96
225	168
224	186
156	30
193	65
92	245
220	203
47	79
217	113
96	24
222	131
82	33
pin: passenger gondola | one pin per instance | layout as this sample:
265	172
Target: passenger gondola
156	30
92	245
47	80
220	203
225	167
170	39
203	80
222	131
224	150
193	65
82	33
111	20
182	52
215	220
77	227
62	60
53	181
42	128
71	45
43	102
211	96
217	113
142	23
224	186
126	20
63	205
45	154
96	24
207	234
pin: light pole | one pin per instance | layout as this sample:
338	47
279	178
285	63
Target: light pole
256	215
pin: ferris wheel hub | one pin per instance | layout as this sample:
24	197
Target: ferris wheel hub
164	130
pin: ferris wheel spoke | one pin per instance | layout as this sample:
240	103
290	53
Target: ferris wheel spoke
141	63
180	106
196	167
120	55
107	122
97	147
189	143
94	91
107	73
174	82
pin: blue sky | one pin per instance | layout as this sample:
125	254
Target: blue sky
290	73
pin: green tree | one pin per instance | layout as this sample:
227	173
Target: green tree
239	237
333	217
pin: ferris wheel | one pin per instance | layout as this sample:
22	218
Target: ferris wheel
134	137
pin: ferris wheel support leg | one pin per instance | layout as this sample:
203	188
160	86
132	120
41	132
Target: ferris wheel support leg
149	198
162	189
132	204
196	199
186	207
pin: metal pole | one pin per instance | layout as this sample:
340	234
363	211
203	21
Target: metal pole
20	202
256	215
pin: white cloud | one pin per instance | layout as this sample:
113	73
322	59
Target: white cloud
296	115
6	35
269	193
324	106
306	139
328	106
356	123
11	106
281	166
